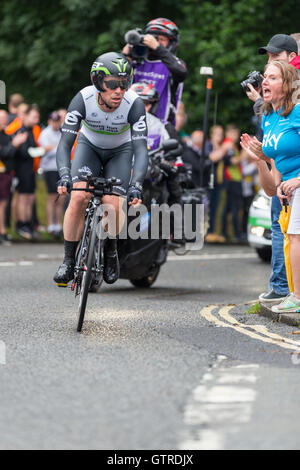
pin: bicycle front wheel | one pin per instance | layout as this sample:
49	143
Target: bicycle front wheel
87	273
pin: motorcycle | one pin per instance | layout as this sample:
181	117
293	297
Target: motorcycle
141	259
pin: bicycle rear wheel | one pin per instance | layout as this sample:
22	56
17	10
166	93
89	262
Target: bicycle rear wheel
87	273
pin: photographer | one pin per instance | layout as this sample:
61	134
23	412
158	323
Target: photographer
280	47
159	65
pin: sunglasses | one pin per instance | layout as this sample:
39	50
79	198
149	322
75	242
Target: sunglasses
114	84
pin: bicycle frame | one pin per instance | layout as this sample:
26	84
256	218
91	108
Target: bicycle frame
89	261
91	212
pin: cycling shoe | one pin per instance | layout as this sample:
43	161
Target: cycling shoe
64	274
111	266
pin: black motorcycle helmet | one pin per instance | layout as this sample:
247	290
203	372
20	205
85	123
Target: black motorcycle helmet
166	28
147	92
110	63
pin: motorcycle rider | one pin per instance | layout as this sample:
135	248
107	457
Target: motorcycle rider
157	134
112	123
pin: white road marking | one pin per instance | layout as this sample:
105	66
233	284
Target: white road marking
219	256
45	256
9	264
221	404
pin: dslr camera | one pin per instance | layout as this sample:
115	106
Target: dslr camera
138	50
254	79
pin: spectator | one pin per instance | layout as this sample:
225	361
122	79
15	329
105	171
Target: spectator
296	36
25	172
181	120
249	172
216	155
280	147
192	155
10	130
49	139
62	114
8	148
232	182
283	47
14	101
17	122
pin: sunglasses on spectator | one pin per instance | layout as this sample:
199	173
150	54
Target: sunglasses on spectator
114	84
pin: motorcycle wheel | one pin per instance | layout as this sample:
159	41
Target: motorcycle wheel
147	281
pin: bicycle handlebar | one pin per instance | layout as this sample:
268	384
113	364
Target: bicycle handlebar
101	185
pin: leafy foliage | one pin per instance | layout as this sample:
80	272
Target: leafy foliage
47	48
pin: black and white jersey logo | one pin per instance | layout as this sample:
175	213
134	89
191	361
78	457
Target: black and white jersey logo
72	118
140	125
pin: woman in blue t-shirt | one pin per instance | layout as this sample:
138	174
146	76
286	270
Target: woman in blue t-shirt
281	148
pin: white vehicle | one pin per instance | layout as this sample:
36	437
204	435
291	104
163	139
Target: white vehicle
259	225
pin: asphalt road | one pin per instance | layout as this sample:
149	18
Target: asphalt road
182	365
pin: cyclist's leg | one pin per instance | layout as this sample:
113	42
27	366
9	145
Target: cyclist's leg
85	157
118	165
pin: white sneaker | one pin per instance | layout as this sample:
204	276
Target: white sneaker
289	305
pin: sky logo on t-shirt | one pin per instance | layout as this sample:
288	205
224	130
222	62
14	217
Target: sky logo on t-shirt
269	140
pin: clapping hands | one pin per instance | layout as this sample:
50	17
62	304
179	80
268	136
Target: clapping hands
253	147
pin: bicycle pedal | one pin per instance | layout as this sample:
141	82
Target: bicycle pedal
60	284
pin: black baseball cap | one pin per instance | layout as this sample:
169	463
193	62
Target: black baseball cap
279	43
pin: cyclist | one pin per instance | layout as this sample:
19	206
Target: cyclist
112	124
166	71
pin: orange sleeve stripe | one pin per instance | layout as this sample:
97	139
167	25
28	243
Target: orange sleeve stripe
74	146
13	126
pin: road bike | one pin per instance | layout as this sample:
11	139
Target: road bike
89	265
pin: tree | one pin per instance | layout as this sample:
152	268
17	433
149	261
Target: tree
226	35
47	52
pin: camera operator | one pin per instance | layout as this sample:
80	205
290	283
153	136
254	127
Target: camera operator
281	47
159	65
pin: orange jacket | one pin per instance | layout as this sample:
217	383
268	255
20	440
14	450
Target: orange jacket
36	130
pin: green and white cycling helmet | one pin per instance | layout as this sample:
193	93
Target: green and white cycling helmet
115	65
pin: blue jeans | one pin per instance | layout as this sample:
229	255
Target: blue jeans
278	281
